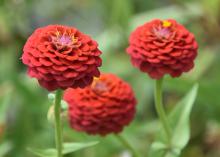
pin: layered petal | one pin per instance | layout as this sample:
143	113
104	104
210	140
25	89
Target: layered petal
102	108
61	57
162	47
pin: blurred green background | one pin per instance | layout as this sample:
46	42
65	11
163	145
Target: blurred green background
24	105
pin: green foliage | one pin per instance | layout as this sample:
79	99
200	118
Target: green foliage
179	120
110	22
67	149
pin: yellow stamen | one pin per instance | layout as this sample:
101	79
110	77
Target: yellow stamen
74	40
57	33
166	23
95	80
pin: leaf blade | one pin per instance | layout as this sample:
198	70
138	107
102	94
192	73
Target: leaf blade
181	128
179	122
72	147
67	149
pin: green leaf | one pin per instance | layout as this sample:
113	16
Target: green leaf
43	152
72	147
67	149
172	153
156	151
179	122
159	149
180	119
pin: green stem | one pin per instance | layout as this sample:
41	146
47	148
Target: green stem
159	107
127	145
58	124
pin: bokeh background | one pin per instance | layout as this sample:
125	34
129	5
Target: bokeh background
24	105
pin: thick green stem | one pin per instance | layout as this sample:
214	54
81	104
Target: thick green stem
127	145
160	109
58	125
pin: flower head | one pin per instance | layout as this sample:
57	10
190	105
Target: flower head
61	57
102	108
162	47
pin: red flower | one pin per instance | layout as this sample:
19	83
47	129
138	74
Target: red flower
102	108
61	57
162	47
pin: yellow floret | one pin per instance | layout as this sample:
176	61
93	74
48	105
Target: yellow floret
166	23
95	78
74	39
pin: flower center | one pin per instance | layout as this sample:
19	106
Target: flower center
64	40
163	31
99	85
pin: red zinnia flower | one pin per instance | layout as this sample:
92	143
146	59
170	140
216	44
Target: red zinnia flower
61	57
162	47
102	108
